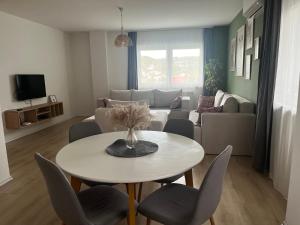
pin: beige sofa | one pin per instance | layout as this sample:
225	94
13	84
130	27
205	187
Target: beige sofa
158	100
160	103
234	126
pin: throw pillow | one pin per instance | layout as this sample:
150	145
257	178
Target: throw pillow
218	98
211	109
176	103
205	102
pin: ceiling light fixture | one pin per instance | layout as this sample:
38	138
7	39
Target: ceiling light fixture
122	40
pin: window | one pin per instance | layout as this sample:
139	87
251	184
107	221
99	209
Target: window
170	59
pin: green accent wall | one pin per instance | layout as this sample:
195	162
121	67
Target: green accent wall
239	85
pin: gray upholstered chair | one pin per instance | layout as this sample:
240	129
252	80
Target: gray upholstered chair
175	126
181	127
176	204
81	130
101	205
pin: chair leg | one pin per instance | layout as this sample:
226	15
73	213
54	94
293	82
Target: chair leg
148	221
212	221
76	184
140	192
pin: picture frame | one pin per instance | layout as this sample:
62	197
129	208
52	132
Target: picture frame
233	54
52	98
256	48
249	33
248	65
240	51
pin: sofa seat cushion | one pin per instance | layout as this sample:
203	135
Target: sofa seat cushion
218	98
165	98
159	119
122	95
89	119
144	95
230	104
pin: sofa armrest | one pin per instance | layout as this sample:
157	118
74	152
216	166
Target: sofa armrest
186	103
100	103
221	129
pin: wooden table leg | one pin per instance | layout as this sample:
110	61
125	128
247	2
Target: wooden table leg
131	204
75	183
140	193
189	178
212	221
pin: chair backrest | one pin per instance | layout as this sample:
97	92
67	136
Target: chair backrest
211	188
82	130
63	198
181	127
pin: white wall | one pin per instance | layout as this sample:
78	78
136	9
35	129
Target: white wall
29	47
98	66
293	215
117	63
4	170
82	88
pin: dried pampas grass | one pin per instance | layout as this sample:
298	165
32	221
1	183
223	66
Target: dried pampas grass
132	116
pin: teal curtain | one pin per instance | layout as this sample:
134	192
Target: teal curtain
216	50
132	63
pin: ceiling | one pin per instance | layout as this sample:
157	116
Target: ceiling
86	15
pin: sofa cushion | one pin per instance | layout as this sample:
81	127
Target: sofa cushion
205	102
245	106
122	95
111	103
217	109
230	104
218	98
165	98
101	103
148	95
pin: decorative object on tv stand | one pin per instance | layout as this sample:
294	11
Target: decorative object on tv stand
122	40
249	33
52	98
256	48
233	54
132	116
248	67
213	77
240	51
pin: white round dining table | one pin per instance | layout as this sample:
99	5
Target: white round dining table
87	159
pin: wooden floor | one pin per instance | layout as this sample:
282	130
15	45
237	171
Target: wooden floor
248	197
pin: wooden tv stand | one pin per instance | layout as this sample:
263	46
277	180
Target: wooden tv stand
29	116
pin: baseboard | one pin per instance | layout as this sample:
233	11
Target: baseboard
5	181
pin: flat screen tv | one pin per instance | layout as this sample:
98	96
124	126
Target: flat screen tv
30	86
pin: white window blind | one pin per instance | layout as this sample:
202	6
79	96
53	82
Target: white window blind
169	59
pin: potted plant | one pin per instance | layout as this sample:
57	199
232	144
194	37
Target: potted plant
213	72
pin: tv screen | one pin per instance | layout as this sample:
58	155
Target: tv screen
29	86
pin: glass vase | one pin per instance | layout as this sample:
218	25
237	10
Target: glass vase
131	138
